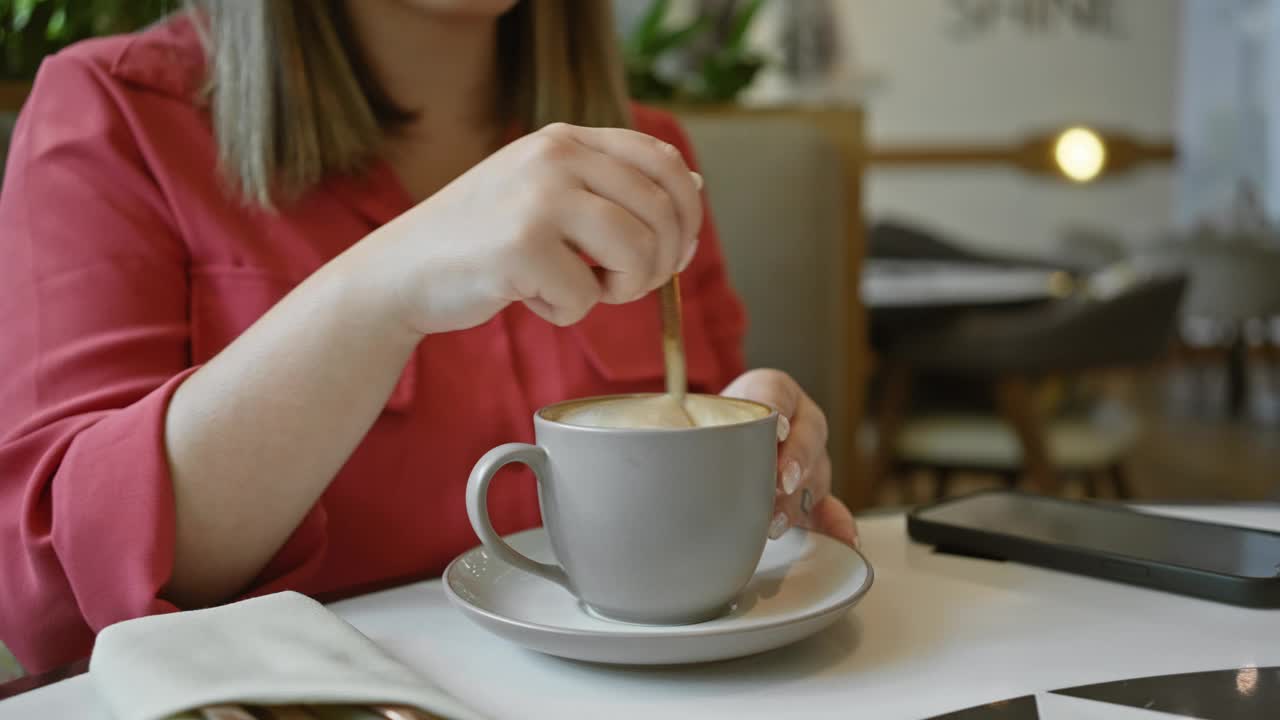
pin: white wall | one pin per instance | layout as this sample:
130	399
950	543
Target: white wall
999	86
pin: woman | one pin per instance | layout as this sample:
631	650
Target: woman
277	274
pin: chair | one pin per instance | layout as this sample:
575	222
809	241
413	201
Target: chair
783	186
1120	317
1233	281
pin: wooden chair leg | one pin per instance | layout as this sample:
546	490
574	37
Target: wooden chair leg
1015	400
941	483
1120	482
1238	375
1089	479
893	409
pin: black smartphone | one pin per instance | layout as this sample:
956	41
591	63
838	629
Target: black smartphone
1235	565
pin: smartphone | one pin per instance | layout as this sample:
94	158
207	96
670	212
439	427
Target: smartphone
1235	565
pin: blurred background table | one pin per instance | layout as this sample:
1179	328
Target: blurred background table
900	283
971	349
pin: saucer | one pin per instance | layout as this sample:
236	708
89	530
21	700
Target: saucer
804	582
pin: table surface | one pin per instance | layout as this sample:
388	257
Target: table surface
937	633
890	284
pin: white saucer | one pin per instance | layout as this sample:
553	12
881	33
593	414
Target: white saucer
804	582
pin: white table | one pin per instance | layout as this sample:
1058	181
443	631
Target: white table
936	633
903	284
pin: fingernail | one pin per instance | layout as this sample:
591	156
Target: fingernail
784	428
791	477
688	255
778	526
857	543
697	180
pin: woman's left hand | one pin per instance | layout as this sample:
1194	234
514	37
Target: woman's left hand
804	468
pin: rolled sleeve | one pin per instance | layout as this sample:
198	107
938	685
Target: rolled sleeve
112	509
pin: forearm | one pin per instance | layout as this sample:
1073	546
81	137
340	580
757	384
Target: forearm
256	435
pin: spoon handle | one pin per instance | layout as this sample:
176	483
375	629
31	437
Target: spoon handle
673	340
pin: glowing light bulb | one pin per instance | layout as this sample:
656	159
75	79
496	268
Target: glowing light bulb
1080	154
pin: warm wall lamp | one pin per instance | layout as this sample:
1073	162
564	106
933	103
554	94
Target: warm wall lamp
1080	154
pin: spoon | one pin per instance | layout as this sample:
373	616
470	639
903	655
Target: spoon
673	345
673	351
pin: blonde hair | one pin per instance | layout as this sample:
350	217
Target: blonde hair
293	101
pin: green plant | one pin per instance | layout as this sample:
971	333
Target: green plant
31	29
718	64
647	44
731	67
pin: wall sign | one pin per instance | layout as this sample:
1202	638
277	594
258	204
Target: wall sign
971	19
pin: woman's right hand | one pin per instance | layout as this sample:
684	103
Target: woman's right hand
516	226
315	371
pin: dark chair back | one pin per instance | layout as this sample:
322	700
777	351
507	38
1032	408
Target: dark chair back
1120	317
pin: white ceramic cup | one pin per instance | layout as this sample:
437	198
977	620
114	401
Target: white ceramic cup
653	526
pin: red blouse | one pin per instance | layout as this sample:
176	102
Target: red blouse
124	266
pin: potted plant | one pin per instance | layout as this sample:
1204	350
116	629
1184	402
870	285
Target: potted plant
32	29
705	61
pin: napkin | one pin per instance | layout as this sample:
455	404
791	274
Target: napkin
280	649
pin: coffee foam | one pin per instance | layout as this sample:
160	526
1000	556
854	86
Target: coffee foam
658	411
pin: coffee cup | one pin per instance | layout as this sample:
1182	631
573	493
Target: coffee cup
651	525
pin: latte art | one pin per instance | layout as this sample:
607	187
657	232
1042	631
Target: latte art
659	411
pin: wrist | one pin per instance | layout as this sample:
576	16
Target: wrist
359	293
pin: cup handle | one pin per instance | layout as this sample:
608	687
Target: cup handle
478	510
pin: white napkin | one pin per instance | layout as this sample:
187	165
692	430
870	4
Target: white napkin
281	649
